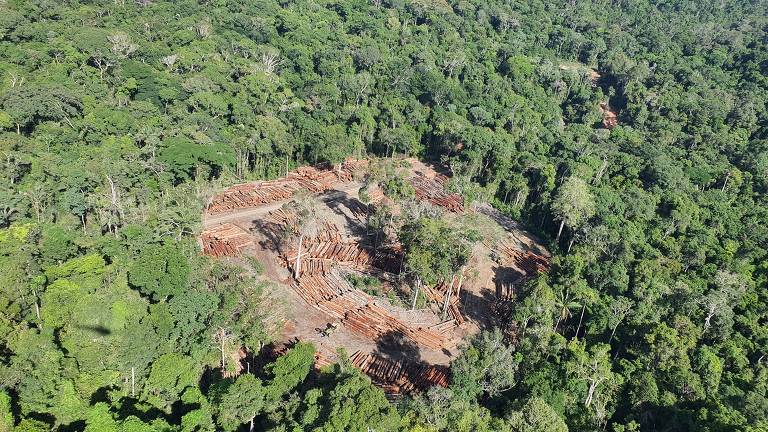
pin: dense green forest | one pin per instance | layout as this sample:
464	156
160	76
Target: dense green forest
120	119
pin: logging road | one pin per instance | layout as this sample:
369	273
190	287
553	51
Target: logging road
253	213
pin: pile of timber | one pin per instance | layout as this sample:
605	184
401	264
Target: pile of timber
331	294
315	288
373	321
400	377
433	190
326	231
314	266
330	250
437	295
359	210
281	217
225	240
352	166
389	259
505	290
455	313
444	327
321	360
529	263
255	194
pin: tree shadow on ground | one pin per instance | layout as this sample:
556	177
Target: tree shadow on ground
273	234
506	281
479	308
98	329
395	346
344	205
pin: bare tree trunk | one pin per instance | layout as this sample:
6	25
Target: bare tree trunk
297	269
560	230
115	200
133	382
576	336
601	171
613	332
591	393
518	197
447	297
461	281
416	294
708	319
37	306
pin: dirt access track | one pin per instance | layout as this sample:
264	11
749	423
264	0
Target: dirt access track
400	349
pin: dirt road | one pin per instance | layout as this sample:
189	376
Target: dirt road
253	213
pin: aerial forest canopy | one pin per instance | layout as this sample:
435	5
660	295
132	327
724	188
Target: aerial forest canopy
631	136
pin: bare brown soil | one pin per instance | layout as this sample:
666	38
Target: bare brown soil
249	219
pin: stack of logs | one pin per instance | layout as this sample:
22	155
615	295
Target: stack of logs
320	285
321	360
437	295
529	263
319	253
259	193
359	312
225	240
400	377
331	294
433	190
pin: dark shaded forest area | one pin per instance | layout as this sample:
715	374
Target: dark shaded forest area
121	118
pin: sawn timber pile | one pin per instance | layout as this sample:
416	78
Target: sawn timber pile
320	253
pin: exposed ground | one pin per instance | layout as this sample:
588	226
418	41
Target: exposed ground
396	346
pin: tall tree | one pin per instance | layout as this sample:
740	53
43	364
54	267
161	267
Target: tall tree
573	204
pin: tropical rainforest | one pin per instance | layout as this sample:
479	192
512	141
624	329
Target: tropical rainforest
120	118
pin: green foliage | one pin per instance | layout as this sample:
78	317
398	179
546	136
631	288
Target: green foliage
434	249
171	374
536	415
243	400
160	271
486	366
354	404
441	410
186	159
288	371
6	416
118	121
92	264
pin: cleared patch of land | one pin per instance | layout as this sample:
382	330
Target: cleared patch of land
349	291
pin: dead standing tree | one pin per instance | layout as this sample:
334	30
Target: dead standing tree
304	224
729	288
